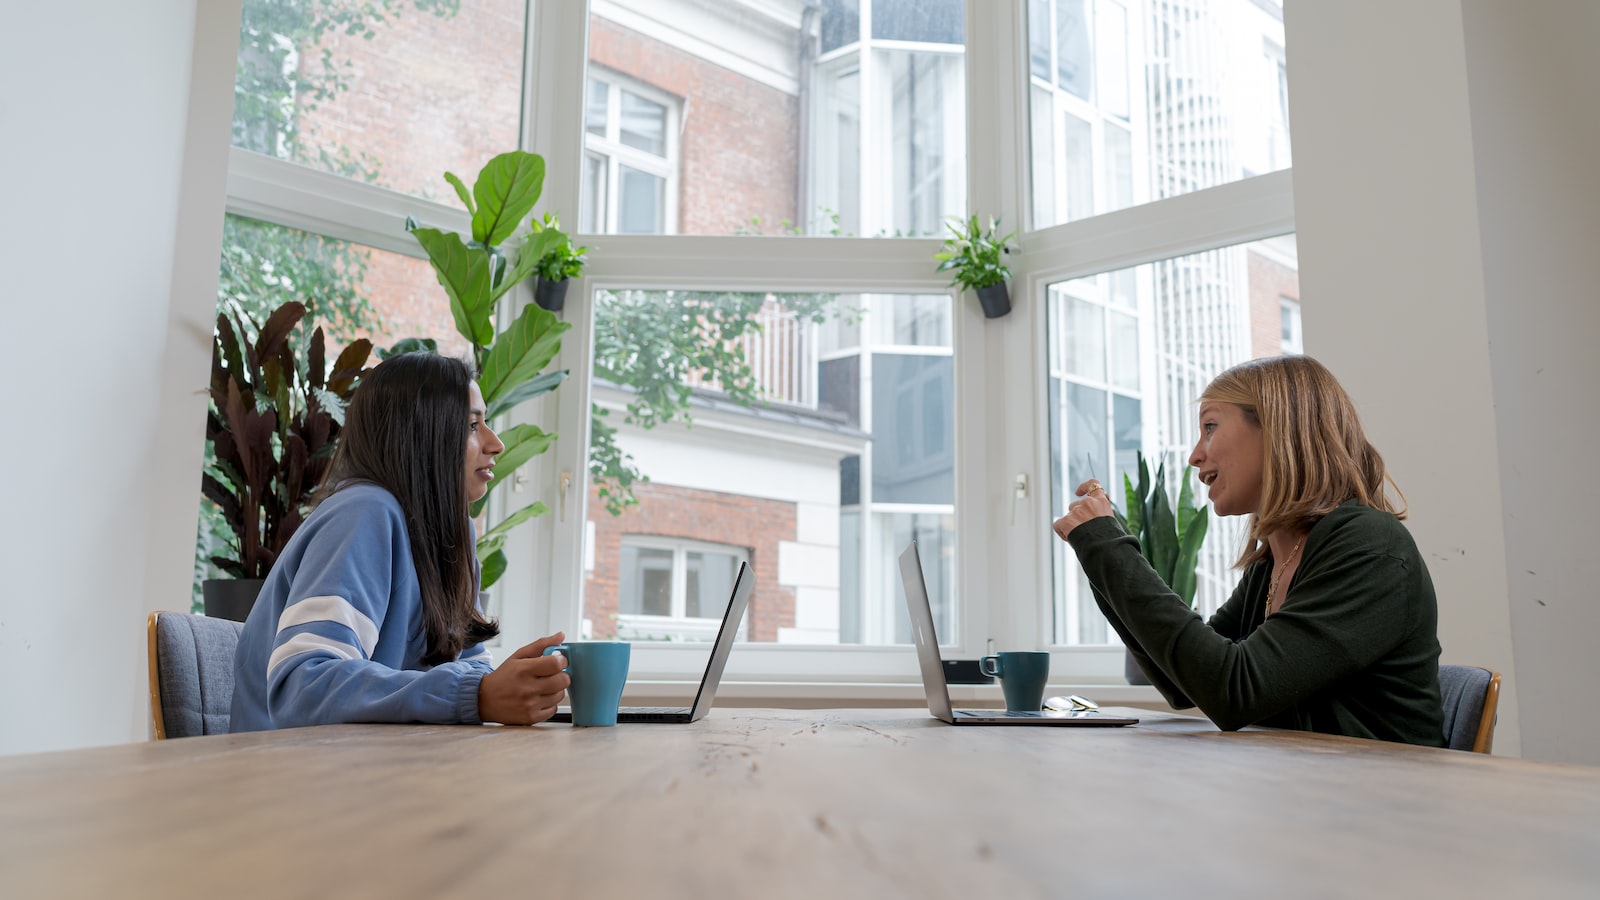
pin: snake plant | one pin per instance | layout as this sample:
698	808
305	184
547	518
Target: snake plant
1169	537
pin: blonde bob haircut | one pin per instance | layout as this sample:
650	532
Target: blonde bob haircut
1315	456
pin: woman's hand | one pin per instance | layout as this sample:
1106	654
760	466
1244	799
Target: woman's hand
1094	504
527	687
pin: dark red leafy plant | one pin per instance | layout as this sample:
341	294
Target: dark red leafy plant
272	427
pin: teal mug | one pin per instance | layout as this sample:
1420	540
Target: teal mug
598	670
1022	675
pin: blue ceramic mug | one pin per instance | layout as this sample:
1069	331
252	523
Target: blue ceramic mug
1022	675
598	669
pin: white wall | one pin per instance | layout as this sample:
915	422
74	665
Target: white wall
109	243
1534	83
1445	202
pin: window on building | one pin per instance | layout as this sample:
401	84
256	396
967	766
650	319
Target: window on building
672	589
1289	322
630	171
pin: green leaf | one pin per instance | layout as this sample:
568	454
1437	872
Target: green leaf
521	352
464	273
1184	578
1135	505
523	442
1186	506
490	567
527	390
496	536
528	256
507	189
1163	528
461	191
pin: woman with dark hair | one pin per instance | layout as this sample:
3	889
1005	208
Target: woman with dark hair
371	613
1334	626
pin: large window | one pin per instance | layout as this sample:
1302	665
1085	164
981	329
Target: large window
1130	351
1136	100
815	433
806	406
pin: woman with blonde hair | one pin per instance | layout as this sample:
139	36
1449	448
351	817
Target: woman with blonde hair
1334	625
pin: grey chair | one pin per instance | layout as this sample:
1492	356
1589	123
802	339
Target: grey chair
1471	698
191	673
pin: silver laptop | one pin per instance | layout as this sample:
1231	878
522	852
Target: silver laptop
743	583
933	682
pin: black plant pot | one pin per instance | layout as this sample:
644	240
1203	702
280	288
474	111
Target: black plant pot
230	598
995	300
1131	670
551	295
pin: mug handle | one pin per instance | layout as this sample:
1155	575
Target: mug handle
565	654
989	665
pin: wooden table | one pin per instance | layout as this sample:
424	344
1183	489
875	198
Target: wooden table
793	803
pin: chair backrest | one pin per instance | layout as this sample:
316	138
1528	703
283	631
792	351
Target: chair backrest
191	673
1471	697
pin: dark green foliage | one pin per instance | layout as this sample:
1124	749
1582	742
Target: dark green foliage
974	254
1170	539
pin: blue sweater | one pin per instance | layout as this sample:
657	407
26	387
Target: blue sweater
336	634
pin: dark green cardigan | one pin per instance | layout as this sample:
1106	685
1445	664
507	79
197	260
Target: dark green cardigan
1354	650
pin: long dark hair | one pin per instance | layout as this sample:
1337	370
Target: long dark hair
406	431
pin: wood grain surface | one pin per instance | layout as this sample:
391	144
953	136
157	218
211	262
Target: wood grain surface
793	803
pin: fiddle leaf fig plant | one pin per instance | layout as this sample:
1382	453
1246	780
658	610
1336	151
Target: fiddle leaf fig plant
511	361
1170	537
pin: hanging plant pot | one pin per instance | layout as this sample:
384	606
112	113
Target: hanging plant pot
230	598
995	299
551	295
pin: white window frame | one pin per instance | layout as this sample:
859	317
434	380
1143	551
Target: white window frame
614	154
1003	571
1289	312
677	625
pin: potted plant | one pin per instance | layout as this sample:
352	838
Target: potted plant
563	260
974	254
1169	537
275	416
510	361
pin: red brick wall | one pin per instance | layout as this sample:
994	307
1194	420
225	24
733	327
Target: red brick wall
1270	281
732	519
740	139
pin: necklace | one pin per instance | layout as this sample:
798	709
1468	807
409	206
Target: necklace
1272	584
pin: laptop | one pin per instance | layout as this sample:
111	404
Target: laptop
938	691
743	583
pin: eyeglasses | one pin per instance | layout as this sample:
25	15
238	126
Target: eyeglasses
1070	703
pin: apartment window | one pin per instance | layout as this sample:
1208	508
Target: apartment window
630	168
1289	322
673	589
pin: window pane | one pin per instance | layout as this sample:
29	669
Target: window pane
1202	313
645	582
595	118
1085	339
708	583
640	203
338	86
644	124
715	98
816	468
1176	97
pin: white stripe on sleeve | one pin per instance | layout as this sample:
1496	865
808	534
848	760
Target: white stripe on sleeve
306	642
336	610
